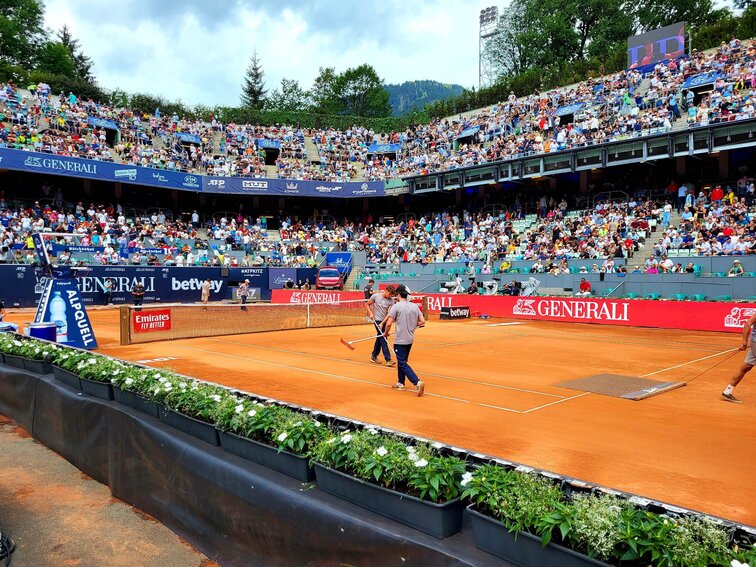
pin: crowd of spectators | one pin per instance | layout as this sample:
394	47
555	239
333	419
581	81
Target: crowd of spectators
614	107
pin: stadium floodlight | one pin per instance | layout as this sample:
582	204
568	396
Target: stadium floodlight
489	18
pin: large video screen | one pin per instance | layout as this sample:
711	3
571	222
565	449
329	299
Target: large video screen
657	45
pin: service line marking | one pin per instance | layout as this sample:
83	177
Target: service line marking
687	363
556	402
503	324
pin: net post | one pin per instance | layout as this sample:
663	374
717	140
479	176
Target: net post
124	316
308	315
425	306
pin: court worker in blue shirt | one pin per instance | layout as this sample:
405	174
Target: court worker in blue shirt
407	317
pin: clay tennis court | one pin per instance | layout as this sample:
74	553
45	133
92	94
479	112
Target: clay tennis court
491	388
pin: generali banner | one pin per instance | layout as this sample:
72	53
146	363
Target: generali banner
694	316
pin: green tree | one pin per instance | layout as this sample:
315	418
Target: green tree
253	88
55	58
21	32
652	14
290	97
362	92
323	92
82	63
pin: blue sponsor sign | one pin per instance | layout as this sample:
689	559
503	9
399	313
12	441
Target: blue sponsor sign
62	304
102	123
468	132
701	80
340	260
187	138
37	162
384	148
268	144
40	249
569	109
277	277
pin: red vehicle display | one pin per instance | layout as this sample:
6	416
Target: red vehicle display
329	278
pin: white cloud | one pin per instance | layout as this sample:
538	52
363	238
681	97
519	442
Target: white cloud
198	50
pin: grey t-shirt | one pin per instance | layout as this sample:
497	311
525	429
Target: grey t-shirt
406	315
381	305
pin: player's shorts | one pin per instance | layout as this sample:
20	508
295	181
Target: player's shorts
751	356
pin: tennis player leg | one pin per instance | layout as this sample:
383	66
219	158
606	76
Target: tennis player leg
404	370
745	368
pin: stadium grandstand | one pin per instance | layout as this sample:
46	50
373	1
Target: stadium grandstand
609	225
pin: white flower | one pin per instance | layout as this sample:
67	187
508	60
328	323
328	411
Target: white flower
116	371
17	343
36	349
182	385
129	381
297	424
215	397
421	463
382	451
251	413
346	438
168	386
92	361
317	424
331	441
410	449
157	375
282	437
239	408
413	457
736	563
372	431
162	380
466	478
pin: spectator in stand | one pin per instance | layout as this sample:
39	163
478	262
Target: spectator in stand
584	289
735	270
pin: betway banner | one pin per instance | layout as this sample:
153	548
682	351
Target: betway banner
36	162
707	316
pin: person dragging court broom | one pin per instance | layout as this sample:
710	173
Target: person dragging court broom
377	308
205	292
748	363
407	317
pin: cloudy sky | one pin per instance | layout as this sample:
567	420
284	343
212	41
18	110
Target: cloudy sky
197	50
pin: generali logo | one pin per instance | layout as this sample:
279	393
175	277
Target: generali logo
524	307
574	309
324	297
738	316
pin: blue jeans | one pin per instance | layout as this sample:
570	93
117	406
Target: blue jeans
403	368
381	343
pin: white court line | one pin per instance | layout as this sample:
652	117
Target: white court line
556	402
502	324
336	359
349	378
687	363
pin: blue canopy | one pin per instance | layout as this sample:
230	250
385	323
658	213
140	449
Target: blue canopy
701	80
265	143
102	123
384	148
569	109
188	138
468	132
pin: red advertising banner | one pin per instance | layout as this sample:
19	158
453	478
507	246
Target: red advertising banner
152	320
694	316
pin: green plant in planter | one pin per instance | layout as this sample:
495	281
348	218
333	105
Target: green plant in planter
439	479
297	433
697	542
392	462
249	419
190	397
69	359
99	368
519	500
32	349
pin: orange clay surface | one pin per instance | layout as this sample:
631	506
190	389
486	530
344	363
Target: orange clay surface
491	388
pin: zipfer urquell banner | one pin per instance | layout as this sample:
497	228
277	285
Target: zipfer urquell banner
37	162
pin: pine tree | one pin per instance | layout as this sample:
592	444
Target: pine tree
253	89
82	63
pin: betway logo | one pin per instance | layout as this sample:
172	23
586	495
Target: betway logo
299	297
196	284
577	309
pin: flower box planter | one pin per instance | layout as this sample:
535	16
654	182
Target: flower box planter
438	520
38	366
288	463
135	401
194	427
67	377
15	361
491	536
102	390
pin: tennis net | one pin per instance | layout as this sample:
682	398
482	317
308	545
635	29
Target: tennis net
185	321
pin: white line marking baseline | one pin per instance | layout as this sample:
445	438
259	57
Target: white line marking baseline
687	363
502	324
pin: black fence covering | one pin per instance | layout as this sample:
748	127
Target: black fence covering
235	512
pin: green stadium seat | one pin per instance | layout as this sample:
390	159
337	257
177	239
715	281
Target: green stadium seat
751	298
606	292
750	274
699	297
678	297
413	275
630	295
719	274
653	296
722	298
524	270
